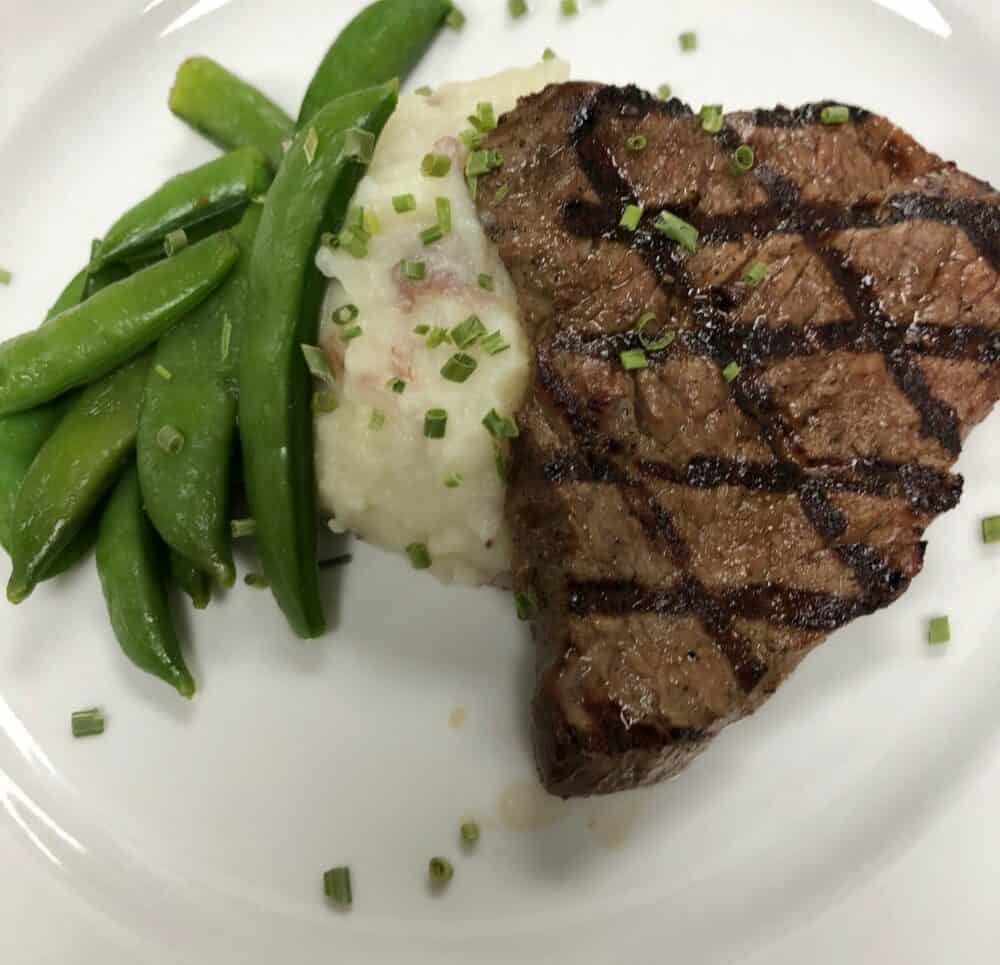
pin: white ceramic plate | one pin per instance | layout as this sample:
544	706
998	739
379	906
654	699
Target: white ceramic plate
199	833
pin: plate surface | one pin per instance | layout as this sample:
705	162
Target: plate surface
199	833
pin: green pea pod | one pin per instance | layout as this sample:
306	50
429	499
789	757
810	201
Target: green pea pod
132	563
191	580
193	388
310	195
71	295
88	341
22	435
229	111
203	194
76	466
384	41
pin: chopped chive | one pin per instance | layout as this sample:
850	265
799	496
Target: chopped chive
170	440
664	92
731	372
354	243
633	359
421	329
441	871
548	54
329	240
468	332
483	162
377	421
432	234
424	91
345	314
835	114
471	138
420	557
676	229
526	604
435	423
939	631
688	41
438	335
755	274
459	368
501	463
991	529
175	241
435	165
318	365
163	372
517	8
310	145
500	427
6	277
413	269
402	203
241	528
486	282
350	333
337	885
711	118
665	340
397	385
359	145
469	832
87	723
443	207
636	143
454	480
743	159
372	225
485	117
324	402
354	220
455	19
227	337
501	194
631	216
569	8
472	183
257	581
494	343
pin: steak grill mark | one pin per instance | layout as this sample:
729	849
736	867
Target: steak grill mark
717	337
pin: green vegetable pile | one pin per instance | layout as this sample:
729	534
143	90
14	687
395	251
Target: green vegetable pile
119	415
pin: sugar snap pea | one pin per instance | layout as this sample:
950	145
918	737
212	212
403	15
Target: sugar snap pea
191	580
187	200
132	564
86	342
22	435
310	195
75	467
384	41
227	110
193	388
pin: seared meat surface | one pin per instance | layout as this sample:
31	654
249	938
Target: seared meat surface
691	537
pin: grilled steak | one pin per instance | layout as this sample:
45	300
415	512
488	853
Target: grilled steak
691	531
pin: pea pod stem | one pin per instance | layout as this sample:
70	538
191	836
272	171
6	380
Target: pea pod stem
132	565
310	196
384	41
191	580
227	110
86	342
73	470
214	189
187	494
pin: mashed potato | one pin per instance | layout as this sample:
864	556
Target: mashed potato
378	475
